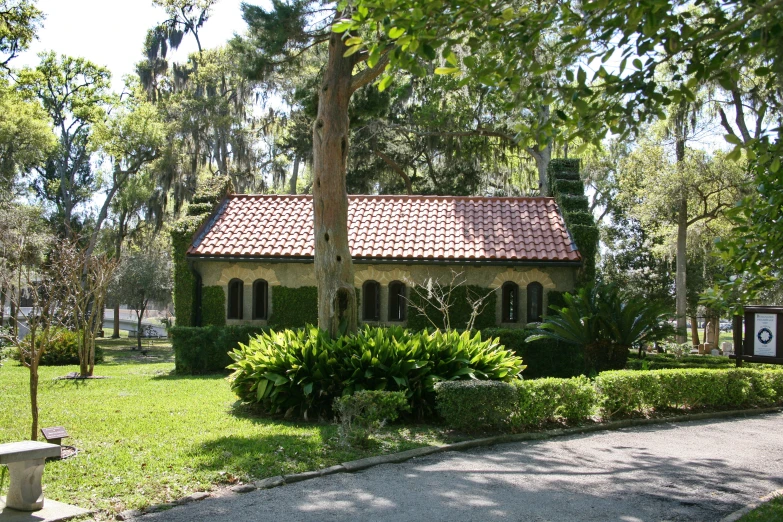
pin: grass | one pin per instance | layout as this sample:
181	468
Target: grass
772	511
146	436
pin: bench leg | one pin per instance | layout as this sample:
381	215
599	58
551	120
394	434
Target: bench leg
24	489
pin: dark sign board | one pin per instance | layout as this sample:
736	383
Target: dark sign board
763	335
55	433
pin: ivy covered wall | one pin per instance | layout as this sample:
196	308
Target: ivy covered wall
294	307
569	191
207	196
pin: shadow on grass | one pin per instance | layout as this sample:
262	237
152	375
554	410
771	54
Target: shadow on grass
174	376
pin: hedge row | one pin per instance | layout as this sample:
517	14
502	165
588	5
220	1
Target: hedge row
294	307
510	406
213	306
205	349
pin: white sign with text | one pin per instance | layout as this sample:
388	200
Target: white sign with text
764	342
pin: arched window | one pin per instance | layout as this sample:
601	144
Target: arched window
371	301
510	303
235	297
397	302
260	299
535	302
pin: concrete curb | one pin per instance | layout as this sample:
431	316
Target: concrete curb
750	507
402	456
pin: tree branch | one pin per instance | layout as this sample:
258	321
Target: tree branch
396	168
366	76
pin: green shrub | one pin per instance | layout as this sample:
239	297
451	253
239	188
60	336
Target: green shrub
573	203
63	349
568	186
304	370
547	400
477	405
213	306
580	218
626	392
543	357
555	298
294	307
365	412
459	313
199	209
199	350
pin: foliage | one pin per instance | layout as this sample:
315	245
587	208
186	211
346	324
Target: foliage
213	306
303	371
543	357
477	405
550	400
199	350
364	413
605	323
625	392
140	278
62	350
19	21
209	192
555	298
294	307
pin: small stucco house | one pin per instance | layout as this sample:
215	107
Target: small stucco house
258	251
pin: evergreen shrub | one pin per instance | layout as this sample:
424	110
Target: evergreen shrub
544	357
477	405
303	371
365	412
548	400
569	186
199	350
573	203
63	349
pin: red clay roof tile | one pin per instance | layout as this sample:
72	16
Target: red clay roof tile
393	227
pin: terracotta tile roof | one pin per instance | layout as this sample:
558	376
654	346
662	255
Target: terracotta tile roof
393	227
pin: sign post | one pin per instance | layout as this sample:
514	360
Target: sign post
763	335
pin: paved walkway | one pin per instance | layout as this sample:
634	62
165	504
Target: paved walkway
679	471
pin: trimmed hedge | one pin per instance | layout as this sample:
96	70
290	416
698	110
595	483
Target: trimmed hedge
627	391
477	405
570	203
581	218
459	313
568	186
294	307
612	393
213	306
543	358
199	350
199	209
305	370
548	400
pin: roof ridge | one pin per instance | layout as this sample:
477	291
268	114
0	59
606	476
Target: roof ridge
398	196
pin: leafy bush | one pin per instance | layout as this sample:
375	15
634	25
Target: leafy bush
625	392
206	349
63	349
304	370
606	323
365	412
543	357
477	405
546	400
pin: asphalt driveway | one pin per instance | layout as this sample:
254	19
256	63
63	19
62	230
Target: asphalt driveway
679	471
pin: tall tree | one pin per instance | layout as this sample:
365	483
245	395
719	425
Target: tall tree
19	22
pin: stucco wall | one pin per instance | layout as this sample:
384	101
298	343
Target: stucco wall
296	275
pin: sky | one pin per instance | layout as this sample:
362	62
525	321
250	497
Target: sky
111	32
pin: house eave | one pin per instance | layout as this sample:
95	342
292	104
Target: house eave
392	260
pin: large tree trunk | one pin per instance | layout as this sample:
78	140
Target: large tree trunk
333	266
682	240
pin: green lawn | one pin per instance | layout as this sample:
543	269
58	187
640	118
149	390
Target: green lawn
772	511
146	436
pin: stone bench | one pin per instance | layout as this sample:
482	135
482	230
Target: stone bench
25	461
